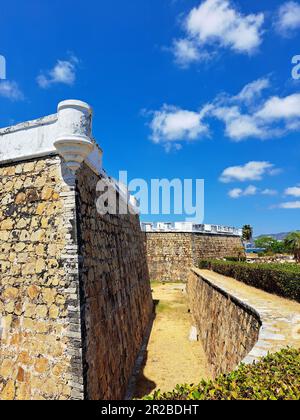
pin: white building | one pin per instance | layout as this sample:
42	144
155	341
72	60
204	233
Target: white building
189	227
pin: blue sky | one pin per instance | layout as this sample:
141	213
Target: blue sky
180	89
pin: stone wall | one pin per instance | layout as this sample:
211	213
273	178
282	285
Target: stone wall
228	328
215	246
171	254
40	356
116	298
75	297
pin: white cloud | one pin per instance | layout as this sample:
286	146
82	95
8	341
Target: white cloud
238	192
216	23
280	108
234	111
235	193
253	90
173	124
290	205
293	191
250	191
270	118
269	192
186	52
251	171
245	115
238	126
63	72
11	90
288	18
172	147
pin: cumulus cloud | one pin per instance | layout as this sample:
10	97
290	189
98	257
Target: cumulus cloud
251	171
238	192
238	126
252	90
276	108
238	111
269	192
235	193
218	24
290	205
185	52
172	124
247	114
250	191
63	72
11	90
288	18
293	191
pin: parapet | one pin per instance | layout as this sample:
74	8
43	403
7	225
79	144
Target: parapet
67	133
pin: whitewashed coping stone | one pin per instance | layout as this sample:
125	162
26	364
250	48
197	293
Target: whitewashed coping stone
67	133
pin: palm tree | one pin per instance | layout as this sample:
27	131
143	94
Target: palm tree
292	242
247	233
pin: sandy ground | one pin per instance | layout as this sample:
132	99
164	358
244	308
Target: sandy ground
171	358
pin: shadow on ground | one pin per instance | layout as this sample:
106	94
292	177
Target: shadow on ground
169	357
144	386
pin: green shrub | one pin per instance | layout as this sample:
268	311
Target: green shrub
204	264
280	279
276	377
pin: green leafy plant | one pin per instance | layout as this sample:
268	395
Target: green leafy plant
204	264
292	243
271	245
247	233
275	377
280	279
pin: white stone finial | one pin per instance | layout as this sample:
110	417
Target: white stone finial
74	142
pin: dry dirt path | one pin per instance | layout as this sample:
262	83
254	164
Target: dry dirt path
171	358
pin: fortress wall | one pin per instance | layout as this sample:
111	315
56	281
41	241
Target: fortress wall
228	328
75	297
215	246
40	340
116	302
171	254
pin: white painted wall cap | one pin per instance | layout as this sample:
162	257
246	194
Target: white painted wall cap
67	133
74	103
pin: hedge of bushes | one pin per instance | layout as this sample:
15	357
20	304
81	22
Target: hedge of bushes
276	377
280	279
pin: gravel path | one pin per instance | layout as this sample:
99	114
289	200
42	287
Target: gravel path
171	358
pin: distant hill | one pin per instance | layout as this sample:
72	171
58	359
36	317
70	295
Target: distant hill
278	236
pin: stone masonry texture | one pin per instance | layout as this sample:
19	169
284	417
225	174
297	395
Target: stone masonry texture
227	327
116	303
171	254
39	358
75	297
